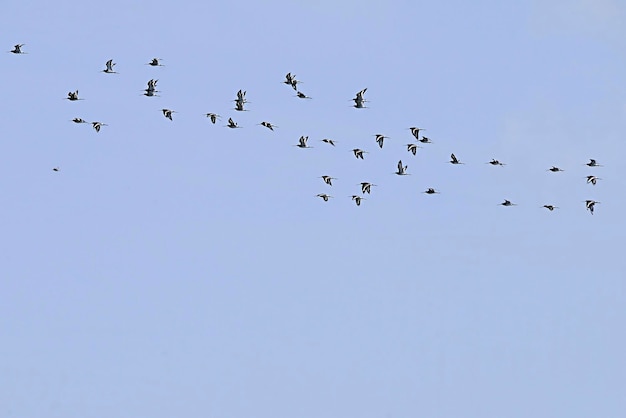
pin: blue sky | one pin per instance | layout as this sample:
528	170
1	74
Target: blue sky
181	268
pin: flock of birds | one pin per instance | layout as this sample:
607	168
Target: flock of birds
359	103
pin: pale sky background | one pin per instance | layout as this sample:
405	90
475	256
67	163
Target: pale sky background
184	269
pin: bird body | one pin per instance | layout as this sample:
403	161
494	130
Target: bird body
17	49
401	169
592	179
98	125
358	153
329	141
430	190
366	187
550	207
508	203
213	117
357	199
155	62
302	142
412	148
589	204
454	160
328	180
73	96
232	124
555	169
168	113
495	162
79	120
268	125
593	163
109	67
324	196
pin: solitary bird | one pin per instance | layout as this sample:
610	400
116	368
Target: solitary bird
328	180
268	125
593	163
495	162
302	142
592	179
232	124
454	160
550	207
17	49
302	95
168	113
109	67
213	117
412	148
72	96
55	169
357	199
508	203
324	196
79	120
358	153
401	169
98	125
380	139
329	141
554	169
590	205
430	190
156	62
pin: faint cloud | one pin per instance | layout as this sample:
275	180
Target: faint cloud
603	19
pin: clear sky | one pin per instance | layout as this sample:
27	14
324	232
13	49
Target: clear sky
184	269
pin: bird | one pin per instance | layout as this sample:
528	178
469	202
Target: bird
109	67
380	139
358	153
55	169
589	204
592	179
495	162
302	142
79	120
324	196
17	49
554	169
232	124
151	93
291	80
213	117
329	141
302	95
366	187
401	169
430	190
425	140
359	100
593	163
72	96
550	207
155	62
168	113
239	105
454	160
508	203
412	148
268	125
328	180
98	125
152	84
416	132
357	199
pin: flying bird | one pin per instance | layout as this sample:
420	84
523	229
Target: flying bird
416	132
592	179
550	207
589	204
213	117
17	49
366	187
302	95
328	180
358	153
55	169
329	141
109	67
554	169
156	62
291	80
401	169
98	125
380	139
79	120
508	203
232	124
357	199
454	160
412	148
268	125
425	140
168	113
495	162
302	142
430	190
324	196
73	96
359	100
593	163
